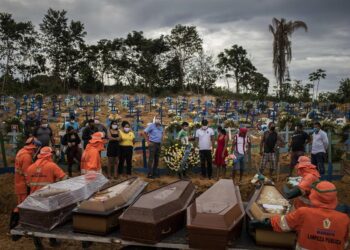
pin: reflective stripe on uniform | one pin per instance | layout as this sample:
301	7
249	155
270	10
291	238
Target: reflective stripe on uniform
284	225
298	247
39	183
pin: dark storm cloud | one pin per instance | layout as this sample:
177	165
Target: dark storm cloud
221	24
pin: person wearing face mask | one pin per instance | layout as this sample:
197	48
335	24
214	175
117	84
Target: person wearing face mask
126	144
44	133
72	123
91	159
205	142
88	131
154	136
99	126
113	150
319	147
268	145
72	140
297	146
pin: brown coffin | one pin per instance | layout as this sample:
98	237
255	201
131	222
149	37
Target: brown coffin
216	217
101	216
158	213
269	195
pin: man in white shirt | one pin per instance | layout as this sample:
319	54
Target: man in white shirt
319	148
205	142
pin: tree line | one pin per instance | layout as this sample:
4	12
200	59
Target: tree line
55	58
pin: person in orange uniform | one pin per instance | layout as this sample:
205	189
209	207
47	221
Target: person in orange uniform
24	159
91	159
309	174
44	171
319	227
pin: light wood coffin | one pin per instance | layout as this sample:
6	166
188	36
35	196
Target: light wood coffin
157	214
266	202
215	218
99	214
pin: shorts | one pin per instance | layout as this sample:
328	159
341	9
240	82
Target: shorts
268	158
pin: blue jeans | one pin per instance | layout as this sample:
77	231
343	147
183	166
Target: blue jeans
239	162
318	160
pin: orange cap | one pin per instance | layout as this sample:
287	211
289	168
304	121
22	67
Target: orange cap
97	137
29	144
45	152
324	195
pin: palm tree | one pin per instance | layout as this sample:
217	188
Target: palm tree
282	48
316	76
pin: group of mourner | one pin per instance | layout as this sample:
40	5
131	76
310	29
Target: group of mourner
320	222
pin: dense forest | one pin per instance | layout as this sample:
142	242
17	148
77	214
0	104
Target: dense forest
55	58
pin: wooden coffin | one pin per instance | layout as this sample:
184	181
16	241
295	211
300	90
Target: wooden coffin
215	218
53	204
100	214
266	202
158	213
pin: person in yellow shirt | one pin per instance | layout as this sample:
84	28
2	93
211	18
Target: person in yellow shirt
126	147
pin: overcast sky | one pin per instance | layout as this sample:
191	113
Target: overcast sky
221	23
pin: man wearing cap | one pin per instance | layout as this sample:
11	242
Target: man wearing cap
297	146
43	171
91	159
301	192
319	227
240	145
71	123
24	159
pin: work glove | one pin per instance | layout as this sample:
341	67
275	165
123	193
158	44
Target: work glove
291	193
260	224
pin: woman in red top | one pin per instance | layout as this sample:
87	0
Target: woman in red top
221	152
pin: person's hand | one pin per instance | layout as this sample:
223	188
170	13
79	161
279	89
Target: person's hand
73	143
69	144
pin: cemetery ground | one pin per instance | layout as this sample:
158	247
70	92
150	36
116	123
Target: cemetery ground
8	201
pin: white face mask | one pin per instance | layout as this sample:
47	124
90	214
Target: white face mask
97	121
114	126
204	127
45	125
126	129
157	121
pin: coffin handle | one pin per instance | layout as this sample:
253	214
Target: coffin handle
166	231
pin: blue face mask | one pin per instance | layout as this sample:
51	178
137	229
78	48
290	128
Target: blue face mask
316	130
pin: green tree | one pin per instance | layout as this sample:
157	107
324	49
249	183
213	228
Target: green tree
316	76
234	63
258	85
344	90
62	43
185	43
12	34
282	31
202	72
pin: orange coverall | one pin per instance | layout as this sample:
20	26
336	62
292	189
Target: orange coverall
317	228
43	172
309	175
22	162
91	159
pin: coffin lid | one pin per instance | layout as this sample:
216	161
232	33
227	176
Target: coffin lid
161	203
64	193
219	207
